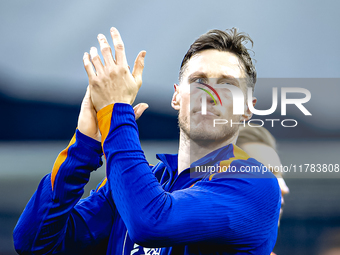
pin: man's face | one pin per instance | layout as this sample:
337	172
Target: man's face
214	68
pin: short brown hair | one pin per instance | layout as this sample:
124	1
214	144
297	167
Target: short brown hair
229	40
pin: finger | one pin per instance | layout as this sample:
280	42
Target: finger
139	109
138	68
119	47
106	50
97	63
88	66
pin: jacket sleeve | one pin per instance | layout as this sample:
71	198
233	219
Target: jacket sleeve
240	212
54	220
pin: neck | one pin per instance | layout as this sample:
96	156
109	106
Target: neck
201	148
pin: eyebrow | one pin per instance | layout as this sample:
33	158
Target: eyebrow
230	78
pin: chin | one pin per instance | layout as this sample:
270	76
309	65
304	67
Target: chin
200	128
204	132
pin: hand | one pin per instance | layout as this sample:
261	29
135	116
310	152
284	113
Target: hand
87	120
113	82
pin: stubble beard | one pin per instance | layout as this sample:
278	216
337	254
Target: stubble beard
205	132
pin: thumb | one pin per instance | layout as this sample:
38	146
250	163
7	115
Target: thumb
87	120
138	68
139	109
87	102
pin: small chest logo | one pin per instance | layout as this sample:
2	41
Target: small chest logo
139	250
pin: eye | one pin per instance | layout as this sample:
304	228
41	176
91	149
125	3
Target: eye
220	85
199	80
225	82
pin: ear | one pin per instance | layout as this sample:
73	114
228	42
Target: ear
176	98
248	114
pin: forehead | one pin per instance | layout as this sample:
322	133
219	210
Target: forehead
214	63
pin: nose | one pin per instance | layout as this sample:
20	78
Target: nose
207	97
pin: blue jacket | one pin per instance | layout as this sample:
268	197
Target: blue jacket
200	211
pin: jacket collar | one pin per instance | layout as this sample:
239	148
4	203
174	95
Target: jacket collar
169	160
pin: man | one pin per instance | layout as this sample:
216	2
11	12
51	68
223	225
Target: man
158	207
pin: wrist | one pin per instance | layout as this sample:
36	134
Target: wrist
100	107
89	134
105	116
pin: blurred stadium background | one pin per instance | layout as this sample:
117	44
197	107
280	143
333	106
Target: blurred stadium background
42	82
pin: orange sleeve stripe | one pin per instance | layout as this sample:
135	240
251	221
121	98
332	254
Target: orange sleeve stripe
104	120
192	185
60	160
238	154
102	184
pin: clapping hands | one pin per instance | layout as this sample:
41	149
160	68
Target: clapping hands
111	82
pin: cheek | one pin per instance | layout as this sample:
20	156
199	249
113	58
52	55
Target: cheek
227	103
227	106
185	102
185	93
